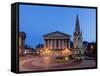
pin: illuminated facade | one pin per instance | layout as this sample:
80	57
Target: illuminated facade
57	41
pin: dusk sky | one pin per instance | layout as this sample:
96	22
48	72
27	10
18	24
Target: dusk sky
37	21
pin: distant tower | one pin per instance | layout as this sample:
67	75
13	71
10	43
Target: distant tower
78	40
22	36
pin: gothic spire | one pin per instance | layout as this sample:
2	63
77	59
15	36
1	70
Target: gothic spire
81	31
77	28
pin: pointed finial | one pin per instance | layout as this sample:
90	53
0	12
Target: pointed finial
77	28
81	31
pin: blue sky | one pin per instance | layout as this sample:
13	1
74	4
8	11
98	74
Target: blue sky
36	21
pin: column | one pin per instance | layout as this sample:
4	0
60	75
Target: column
62	43
48	43
51	44
65	43
69	43
45	45
59	44
54	44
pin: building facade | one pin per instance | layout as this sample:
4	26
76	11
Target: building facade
21	43
57	41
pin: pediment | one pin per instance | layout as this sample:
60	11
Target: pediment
56	34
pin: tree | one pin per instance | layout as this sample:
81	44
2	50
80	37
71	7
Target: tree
27	46
39	46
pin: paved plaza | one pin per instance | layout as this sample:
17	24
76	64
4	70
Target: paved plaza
38	63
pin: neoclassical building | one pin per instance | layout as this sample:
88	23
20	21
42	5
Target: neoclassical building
61	41
57	41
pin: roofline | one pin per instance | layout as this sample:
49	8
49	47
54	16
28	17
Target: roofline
55	32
